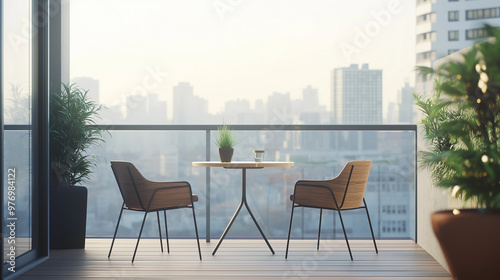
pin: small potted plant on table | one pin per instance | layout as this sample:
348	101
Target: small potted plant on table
226	142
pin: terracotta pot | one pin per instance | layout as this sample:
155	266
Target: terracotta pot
470	240
226	154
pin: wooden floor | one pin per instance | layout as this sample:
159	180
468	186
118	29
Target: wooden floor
242	259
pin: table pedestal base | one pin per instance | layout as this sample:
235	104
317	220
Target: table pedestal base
243	202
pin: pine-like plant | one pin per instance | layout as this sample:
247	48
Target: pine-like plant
226	138
72	133
462	123
436	111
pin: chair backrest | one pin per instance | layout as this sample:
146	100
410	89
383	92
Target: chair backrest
129	180
356	174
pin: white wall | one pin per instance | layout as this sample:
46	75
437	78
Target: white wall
429	200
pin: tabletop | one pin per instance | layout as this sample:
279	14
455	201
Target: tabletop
243	164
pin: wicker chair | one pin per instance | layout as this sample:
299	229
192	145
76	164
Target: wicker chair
345	192
140	194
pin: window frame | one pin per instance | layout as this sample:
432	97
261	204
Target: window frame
453	38
452	14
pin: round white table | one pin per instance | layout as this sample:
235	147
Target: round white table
243	165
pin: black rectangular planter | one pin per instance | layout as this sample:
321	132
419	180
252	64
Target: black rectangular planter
68	217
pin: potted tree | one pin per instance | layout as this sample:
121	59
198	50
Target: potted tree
226	142
72	115
462	124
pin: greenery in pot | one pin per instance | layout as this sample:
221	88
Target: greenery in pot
436	112
226	138
72	116
462	123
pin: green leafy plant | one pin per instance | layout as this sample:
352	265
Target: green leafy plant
226	138
73	131
462	124
436	111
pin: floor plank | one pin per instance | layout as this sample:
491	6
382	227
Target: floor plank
242	259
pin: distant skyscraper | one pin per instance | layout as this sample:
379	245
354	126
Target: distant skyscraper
237	111
157	110
259	112
136	109
188	108
90	84
444	27
356	95
392	113
310	100
279	108
406	112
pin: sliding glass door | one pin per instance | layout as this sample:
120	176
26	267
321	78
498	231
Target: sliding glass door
23	187
17	147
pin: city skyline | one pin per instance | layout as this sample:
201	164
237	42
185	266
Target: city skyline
255	49
275	107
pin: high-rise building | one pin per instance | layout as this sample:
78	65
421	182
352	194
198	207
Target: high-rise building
310	102
392	113
406	112
444	27
136	110
157	110
89	84
237	111
309	109
356	95
279	108
188	108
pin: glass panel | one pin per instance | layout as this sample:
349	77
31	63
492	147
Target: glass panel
17	144
159	156
318	155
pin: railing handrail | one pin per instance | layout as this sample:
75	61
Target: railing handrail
283	127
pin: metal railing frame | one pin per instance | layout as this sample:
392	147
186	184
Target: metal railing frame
253	127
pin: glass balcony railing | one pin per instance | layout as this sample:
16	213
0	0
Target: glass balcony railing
166	153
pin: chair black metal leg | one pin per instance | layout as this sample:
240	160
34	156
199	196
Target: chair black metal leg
319	229
289	230
140	233
370	223
345	234
166	229
159	229
196	230
116	230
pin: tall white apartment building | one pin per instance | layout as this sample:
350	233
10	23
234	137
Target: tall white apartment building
356	96
446	26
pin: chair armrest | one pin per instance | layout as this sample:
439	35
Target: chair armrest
168	195
315	194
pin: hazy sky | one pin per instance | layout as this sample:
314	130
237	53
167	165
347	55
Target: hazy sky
229	49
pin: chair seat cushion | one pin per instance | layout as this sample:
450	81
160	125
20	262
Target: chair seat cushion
292	197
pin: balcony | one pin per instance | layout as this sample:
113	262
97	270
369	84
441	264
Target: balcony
165	152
